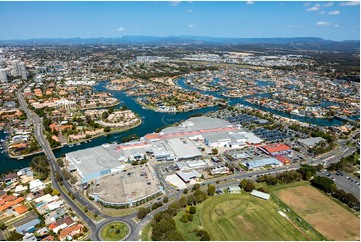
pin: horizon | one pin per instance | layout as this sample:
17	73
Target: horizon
336	21
176	36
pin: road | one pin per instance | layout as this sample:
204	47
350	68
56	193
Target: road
54	167
343	182
136	228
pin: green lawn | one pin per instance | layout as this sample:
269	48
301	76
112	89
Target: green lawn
241	217
146	233
187	228
114	231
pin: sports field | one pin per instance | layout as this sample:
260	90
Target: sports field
243	217
325	215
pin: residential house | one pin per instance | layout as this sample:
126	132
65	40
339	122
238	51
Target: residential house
36	185
70	231
61	224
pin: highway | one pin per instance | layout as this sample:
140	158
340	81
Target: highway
136	228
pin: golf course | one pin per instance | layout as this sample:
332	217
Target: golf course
241	217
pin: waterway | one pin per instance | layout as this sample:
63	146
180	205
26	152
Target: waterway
150	122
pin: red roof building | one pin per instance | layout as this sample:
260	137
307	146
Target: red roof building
21	209
283	159
71	231
49	238
276	149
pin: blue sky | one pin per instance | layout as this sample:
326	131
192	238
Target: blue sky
329	20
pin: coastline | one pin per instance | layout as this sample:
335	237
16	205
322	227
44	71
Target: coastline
160	111
107	106
34	153
79	141
105	134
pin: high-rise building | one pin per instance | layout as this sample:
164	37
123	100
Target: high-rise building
23	72
19	69
15	69
3	75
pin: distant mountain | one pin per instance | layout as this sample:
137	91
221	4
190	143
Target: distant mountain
312	42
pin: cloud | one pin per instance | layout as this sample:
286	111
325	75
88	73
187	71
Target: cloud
189	10
190	25
307	4
322	12
250	2
321	23
120	29
334	12
327	24
329	4
346	4
174	3
315	7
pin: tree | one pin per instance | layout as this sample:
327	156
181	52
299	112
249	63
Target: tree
55	193
211	190
307	171
323	183
15	236
214	151
58	176
204	235
85	229
175	235
195	187
200	196
184	218
192	210
2	225
85	209
185	191
247	185
165	199
60	162
107	129
183	201
105	115
142	212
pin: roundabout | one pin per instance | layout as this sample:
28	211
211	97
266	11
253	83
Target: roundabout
114	231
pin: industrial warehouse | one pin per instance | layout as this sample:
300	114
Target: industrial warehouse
185	145
171	144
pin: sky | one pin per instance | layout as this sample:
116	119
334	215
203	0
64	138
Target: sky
251	19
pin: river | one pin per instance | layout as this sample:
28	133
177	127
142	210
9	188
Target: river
150	122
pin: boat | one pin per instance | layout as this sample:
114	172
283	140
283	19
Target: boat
90	140
78	143
71	145
20	157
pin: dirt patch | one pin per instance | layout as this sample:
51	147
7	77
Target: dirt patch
326	216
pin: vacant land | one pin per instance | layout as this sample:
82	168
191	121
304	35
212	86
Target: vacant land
325	215
114	231
241	217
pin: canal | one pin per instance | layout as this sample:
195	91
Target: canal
150	122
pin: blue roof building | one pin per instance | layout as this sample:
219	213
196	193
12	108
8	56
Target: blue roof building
28	226
262	162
